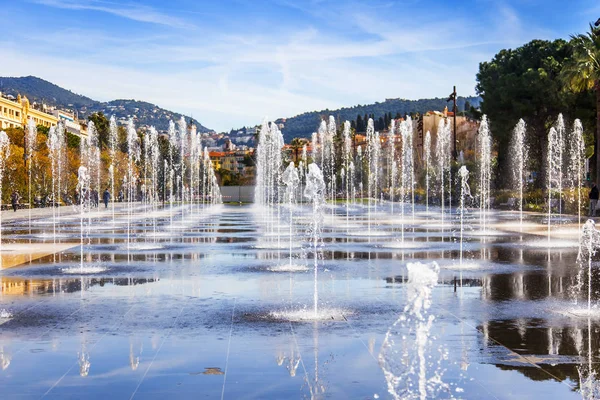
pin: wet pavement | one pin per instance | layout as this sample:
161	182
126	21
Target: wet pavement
206	303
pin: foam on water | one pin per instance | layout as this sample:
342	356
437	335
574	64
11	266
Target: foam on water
5	314
367	233
308	314
552	243
84	270
288	268
145	246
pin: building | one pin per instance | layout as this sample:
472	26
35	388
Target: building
72	124
14	113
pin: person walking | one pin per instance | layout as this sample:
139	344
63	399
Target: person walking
106	197
14	200
594	194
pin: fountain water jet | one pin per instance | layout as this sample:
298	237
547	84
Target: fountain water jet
427	157
315	191
519	163
30	143
406	355
575	169
4	154
485	171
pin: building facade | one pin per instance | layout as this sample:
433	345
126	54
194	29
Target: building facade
16	113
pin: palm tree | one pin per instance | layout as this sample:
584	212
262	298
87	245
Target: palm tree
582	73
296	145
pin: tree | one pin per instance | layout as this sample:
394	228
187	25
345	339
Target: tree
296	145
523	83
102	126
581	73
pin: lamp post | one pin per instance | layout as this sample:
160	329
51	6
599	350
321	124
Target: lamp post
453	98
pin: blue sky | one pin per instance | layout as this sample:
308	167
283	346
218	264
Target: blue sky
233	62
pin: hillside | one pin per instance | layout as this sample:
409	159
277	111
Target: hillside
39	90
304	125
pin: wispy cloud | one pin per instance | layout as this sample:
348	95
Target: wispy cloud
133	12
279	58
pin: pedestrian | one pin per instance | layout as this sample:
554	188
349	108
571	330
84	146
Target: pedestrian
95	198
14	199
120	196
594	194
106	197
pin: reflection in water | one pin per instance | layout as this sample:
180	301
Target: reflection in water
21	287
83	358
134	357
564	352
589	383
5	358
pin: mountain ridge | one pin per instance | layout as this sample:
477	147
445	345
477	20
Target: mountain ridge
42	91
303	125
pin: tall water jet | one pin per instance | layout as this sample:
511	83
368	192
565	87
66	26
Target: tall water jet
519	160
315	192
575	168
183	136
291	179
173	142
154	165
407	183
554	168
4	154
30	143
465	194
268	173
442	152
392	165
55	145
83	182
485	171
407	353
330	159
94	158
133	153
373	155
112	148
427	158
346	160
